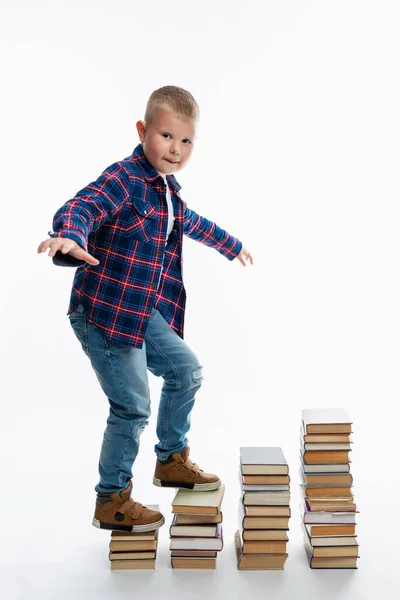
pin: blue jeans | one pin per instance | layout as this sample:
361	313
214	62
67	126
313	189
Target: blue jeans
122	373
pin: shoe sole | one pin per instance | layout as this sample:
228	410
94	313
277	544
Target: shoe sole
195	487
134	528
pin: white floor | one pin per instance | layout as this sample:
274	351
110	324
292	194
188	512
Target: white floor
51	550
298	157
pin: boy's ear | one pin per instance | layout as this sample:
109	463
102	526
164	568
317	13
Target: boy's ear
141	129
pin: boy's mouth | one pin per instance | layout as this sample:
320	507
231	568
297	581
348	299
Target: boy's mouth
172	162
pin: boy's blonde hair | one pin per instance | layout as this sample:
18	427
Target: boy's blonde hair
176	99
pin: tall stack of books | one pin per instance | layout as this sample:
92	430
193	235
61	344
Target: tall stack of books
328	507
129	550
264	511
196	529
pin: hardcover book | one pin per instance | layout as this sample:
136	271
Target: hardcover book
192	530
257	561
198	543
266	498
119	565
263	460
198	503
261	522
200	562
328	517
330	563
182	519
326	420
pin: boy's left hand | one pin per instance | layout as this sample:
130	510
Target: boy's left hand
244	254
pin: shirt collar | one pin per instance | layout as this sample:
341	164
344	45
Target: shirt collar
149	171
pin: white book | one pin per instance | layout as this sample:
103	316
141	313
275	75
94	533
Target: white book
198	543
260	487
324	445
326	517
326	419
263	460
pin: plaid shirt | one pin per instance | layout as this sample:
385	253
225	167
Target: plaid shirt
121	219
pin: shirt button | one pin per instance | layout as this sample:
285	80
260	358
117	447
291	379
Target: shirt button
145	212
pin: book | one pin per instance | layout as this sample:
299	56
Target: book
326	420
263	460
266	479
327	491
324	438
182	519
264	547
266	498
324	468
265	511
265	534
331	529
194	553
328	517
198	543
328	479
261	522
209	503
200	562
119	565
192	530
330	563
259	487
334	540
328	506
131	555
331	551
132	546
257	561
312	457
127	536
329	446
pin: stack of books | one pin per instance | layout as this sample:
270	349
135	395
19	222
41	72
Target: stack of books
129	550
264	511
328	506
196	529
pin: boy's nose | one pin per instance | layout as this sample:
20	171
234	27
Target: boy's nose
174	148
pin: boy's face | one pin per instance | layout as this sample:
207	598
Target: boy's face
167	141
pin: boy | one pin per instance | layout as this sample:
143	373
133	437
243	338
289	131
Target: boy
127	303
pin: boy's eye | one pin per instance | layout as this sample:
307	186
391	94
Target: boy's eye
186	141
166	135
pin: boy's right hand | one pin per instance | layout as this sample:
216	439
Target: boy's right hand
67	246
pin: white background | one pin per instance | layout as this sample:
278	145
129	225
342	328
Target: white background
297	156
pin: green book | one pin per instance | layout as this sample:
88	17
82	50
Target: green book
198	503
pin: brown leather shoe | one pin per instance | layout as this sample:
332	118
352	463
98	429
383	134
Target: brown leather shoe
182	473
120	511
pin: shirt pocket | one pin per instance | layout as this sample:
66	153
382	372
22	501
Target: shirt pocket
139	221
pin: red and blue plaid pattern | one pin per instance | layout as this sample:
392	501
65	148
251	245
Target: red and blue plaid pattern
121	219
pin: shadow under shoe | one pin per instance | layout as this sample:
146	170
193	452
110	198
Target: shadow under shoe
182	473
120	511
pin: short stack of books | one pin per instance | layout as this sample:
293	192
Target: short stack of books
129	550
264	511
328	507
196	529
